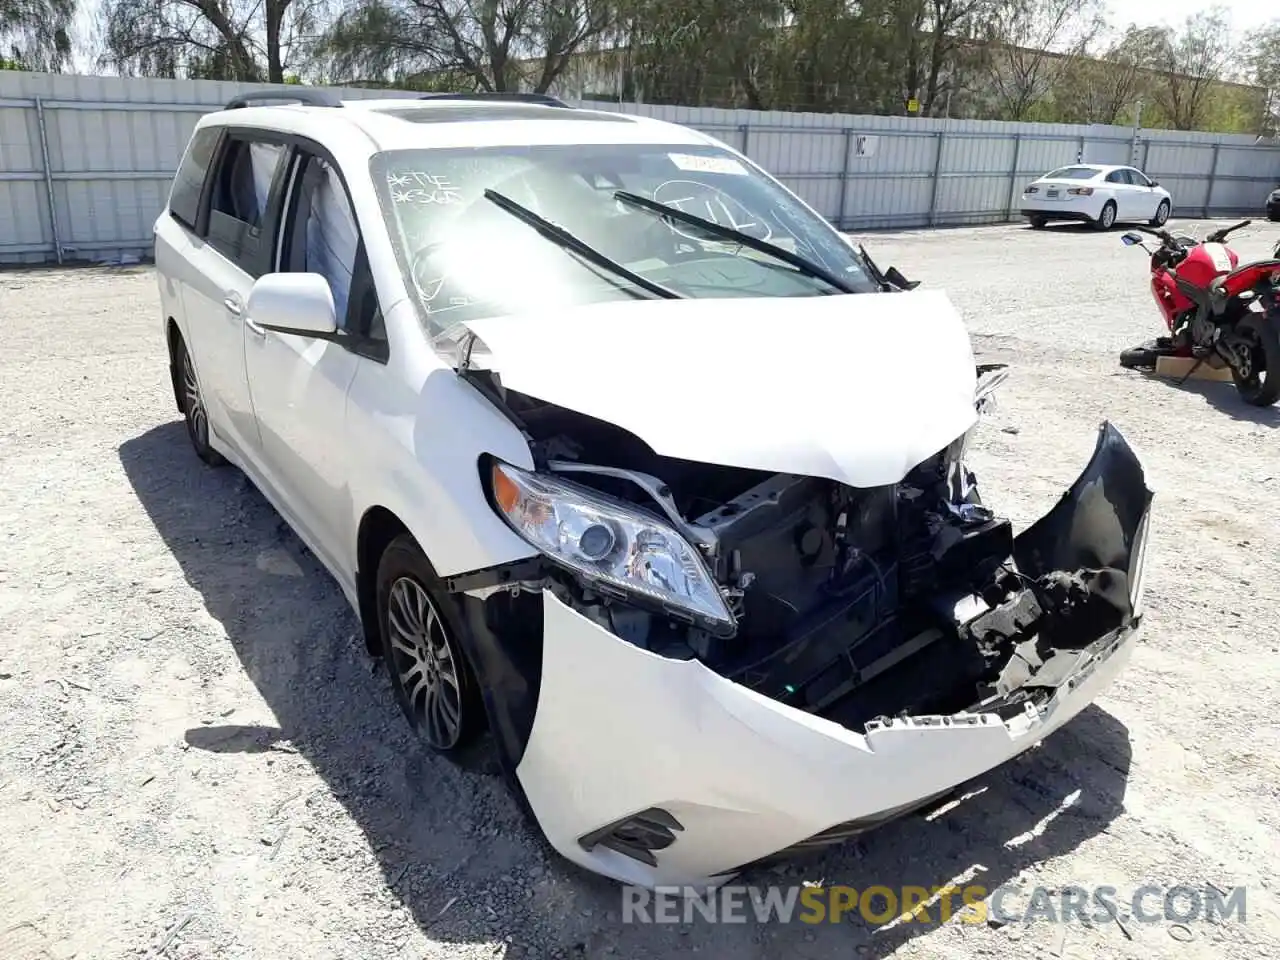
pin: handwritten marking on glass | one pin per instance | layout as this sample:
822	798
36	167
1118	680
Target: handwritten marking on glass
414	187
707	202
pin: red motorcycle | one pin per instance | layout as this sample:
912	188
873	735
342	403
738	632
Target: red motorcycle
1214	307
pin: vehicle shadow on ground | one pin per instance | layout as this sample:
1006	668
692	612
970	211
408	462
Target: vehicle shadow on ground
1225	397
452	845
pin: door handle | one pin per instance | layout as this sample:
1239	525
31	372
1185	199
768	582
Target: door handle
232	303
254	328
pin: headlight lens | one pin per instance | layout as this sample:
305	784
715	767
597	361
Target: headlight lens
607	542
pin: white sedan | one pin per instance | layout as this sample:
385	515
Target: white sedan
1098	194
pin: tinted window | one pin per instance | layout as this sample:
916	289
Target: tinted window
184	198
1117	176
1138	179
242	188
1073	173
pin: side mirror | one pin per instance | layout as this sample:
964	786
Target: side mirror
1154	184
1130	239
300	304
899	281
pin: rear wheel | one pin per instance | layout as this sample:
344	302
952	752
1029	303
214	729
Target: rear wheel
1259	381
1107	218
194	411
1162	214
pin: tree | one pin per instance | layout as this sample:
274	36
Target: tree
490	45
36	34
1035	42
247	40
1190	63
1262	58
1105	89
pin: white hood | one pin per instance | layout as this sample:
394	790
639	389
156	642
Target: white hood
858	389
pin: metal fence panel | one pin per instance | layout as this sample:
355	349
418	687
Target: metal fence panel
86	162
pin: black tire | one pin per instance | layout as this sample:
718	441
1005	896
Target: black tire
1038	223
1261	387
1162	214
1106	220
421	634
194	411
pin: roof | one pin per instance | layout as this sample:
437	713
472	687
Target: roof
396	123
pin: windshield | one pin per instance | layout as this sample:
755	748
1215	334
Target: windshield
1073	173
467	258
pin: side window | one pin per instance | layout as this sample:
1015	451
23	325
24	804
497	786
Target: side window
1117	176
1138	179
238	205
322	236
188	183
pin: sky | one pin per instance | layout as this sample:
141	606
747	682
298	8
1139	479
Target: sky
1175	12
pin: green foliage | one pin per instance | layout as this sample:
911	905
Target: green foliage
1045	60
37	33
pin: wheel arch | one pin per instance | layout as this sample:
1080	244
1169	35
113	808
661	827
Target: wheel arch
378	527
173	337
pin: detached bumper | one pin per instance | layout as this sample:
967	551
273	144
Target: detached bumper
697	776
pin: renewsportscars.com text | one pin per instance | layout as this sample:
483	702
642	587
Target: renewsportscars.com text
972	903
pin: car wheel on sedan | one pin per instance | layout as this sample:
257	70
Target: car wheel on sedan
1038	223
1162	214
1107	219
421	632
194	411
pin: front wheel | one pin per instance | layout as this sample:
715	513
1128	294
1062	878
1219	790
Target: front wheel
1258	380
1107	218
1162	214
1037	223
421	634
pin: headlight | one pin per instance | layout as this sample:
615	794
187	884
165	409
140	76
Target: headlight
608	543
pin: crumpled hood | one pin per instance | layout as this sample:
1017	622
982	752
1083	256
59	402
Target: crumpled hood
858	389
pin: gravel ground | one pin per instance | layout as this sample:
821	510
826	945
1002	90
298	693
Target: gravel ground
200	760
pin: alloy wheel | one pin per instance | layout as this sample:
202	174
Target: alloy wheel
1108	216
425	664
193	402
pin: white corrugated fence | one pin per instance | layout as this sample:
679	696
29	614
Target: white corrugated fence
85	162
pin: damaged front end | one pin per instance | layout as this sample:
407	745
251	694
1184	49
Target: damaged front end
856	605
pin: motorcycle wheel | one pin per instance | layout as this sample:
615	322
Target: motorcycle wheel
1260	387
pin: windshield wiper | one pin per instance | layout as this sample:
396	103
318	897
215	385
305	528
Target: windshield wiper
563	238
736	236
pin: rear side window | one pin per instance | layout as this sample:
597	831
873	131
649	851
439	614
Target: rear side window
184	198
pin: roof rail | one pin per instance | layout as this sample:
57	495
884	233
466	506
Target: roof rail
309	96
542	98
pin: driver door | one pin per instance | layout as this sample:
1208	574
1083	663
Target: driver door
298	385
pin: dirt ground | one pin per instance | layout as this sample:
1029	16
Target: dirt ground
201	761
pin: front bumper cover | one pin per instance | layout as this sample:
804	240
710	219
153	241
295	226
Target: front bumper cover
696	776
